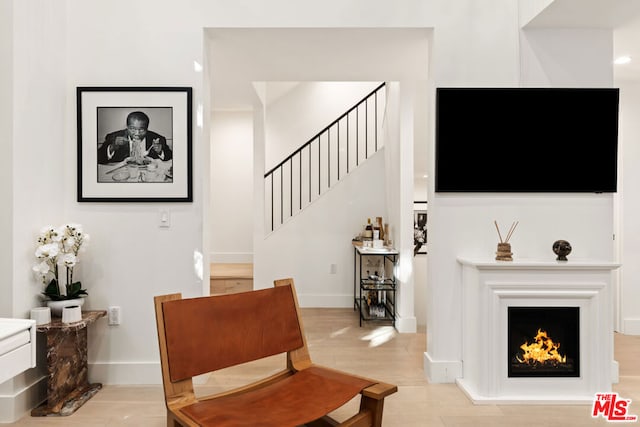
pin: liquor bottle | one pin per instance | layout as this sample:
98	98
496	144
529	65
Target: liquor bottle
368	230
380	226
376	231
387	236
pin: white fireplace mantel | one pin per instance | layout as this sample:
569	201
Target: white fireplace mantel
532	264
489	287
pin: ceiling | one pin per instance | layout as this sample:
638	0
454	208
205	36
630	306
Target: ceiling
623	16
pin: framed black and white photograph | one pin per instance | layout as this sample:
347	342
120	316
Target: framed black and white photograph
419	228
134	144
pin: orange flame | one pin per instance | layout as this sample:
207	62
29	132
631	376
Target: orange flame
541	351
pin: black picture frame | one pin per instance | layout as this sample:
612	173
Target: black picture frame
419	228
155	176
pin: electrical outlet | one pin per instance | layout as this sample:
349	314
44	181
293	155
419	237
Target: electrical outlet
115	315
333	268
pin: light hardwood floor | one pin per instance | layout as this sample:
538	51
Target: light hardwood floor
336	340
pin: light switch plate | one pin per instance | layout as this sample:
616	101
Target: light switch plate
165	219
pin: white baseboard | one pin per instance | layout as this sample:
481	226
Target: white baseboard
139	373
478	399
442	371
325	301
406	325
231	257
18	404
631	326
403	324
145	373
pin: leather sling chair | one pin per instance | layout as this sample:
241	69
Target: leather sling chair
205	334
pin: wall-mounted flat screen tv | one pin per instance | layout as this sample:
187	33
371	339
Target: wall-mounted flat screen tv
526	140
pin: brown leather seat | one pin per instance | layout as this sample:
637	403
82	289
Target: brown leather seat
200	335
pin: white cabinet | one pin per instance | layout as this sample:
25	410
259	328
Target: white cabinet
17	347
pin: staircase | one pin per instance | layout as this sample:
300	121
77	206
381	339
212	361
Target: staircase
325	159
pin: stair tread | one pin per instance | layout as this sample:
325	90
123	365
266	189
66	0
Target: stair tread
231	270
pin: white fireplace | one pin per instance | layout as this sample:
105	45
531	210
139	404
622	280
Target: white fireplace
490	288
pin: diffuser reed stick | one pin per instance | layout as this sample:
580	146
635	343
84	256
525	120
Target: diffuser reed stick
504	247
509	233
511	230
498	229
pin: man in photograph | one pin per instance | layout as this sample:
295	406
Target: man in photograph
135	142
419	232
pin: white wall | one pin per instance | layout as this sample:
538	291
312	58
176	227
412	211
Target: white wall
630	226
308	244
35	192
528	9
462	225
399	130
339	215
231	206
420	186
477	51
545	54
300	114
421	161
6	165
291	120
130	259
475	44
38	97
7	405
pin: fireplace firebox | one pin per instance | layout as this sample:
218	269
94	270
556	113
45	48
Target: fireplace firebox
543	341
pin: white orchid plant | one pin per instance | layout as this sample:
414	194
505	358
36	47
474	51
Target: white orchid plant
57	251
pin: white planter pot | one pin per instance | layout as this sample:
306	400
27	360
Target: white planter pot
57	306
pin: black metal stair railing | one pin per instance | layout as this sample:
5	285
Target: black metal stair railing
326	158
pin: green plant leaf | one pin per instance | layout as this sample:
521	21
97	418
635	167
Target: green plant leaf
74	290
53	290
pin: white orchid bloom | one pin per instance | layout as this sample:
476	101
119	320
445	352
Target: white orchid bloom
74	228
49	250
68	243
69	260
57	252
46	231
45	234
57	234
42	268
41	271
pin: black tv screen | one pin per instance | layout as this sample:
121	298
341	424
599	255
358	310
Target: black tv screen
526	139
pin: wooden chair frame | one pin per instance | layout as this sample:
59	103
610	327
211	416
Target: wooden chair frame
182	403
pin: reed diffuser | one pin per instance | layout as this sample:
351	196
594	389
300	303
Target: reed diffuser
504	247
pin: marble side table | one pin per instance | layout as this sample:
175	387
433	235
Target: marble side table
68	386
